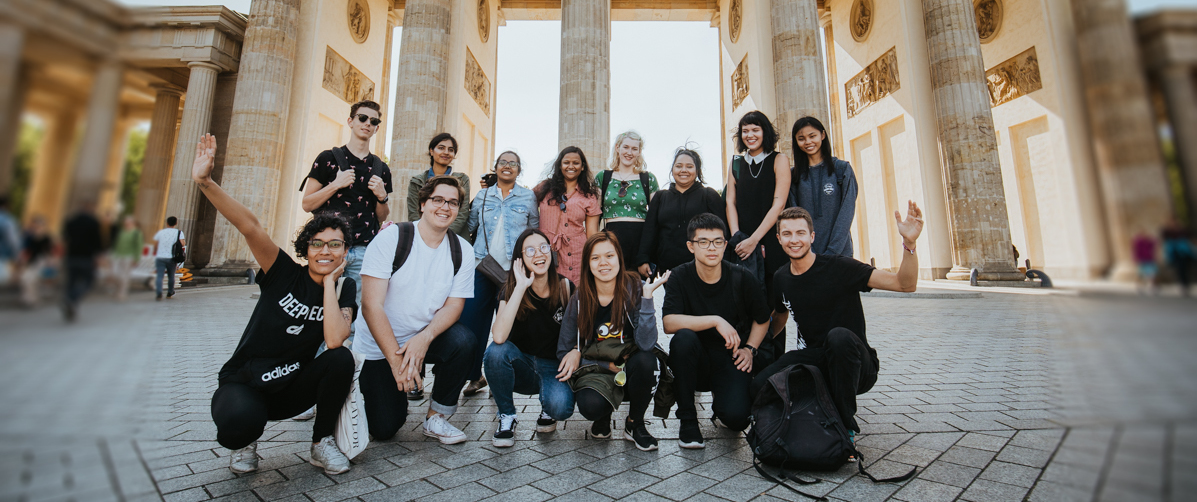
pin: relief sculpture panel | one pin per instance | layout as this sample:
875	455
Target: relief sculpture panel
1014	77
878	80
476	83
359	20
344	80
739	81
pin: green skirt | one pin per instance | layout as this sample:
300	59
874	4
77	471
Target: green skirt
594	377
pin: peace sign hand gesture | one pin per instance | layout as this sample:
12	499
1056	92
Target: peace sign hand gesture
912	226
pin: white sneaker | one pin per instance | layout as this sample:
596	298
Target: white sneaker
326	454
307	415
244	460
438	427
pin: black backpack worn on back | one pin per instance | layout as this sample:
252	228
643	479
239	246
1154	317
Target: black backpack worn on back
407	236
795	425
177	254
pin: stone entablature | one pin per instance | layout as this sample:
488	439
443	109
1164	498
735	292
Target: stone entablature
176	36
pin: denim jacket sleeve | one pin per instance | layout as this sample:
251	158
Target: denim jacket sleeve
475	213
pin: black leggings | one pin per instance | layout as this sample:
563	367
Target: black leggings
638	391
628	233
699	366
241	411
848	366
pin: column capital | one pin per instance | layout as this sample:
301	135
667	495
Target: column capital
206	65
160	89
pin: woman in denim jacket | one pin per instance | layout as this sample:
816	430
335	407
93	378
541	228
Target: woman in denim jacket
498	215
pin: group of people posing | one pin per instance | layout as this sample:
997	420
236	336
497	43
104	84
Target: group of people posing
558	300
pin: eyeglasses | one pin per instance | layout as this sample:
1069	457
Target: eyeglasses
707	243
361	117
509	163
439	201
564	199
623	188
543	248
335	244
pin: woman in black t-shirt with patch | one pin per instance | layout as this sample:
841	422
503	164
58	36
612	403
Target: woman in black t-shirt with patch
274	372
523	357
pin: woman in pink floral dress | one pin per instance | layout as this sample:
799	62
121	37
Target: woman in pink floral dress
569	209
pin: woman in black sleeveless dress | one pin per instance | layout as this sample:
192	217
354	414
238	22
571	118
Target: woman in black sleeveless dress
758	194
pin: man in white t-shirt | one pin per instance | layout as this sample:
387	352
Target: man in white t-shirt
164	263
409	317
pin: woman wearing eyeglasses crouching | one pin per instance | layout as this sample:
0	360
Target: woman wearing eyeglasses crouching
569	209
523	357
606	342
274	372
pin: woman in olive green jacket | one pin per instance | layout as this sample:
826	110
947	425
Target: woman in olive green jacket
441	152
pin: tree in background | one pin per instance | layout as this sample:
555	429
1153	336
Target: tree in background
27	143
134	159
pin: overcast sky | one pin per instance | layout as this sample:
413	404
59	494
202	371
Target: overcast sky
664	84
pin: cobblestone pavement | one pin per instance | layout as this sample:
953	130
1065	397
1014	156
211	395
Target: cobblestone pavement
1004	397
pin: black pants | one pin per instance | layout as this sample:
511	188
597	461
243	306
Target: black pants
452	353
699	366
80	276
628	233
241	411
638	391
848	366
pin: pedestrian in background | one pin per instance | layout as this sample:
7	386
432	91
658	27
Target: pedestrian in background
1178	252
126	252
10	243
84	243
1143	251
164	263
36	260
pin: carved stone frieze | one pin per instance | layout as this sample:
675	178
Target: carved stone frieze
878	80
989	15
860	21
735	19
739	81
359	20
476	83
1014	77
344	80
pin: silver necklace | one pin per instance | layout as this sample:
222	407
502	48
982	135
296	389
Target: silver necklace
758	171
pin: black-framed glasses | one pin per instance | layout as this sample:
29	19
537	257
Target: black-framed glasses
623	188
361	117
509	163
564	199
543	248
439	201
707	243
334	244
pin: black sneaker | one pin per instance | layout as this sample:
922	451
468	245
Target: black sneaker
170	295
545	423
638	432
505	436
690	435
601	429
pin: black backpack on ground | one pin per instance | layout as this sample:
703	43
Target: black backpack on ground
795	425
407	236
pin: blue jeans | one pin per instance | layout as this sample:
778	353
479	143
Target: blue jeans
477	314
164	266
353	270
508	370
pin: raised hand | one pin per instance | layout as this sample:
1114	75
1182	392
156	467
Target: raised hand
523	280
205	155
653	285
912	226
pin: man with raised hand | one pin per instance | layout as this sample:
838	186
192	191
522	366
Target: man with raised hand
414	287
822	293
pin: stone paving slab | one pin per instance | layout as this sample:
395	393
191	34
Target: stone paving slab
1002	397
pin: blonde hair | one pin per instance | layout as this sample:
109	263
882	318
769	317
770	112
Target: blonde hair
640	166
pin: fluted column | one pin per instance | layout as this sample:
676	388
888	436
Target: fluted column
52	173
1126	148
97	134
798	78
155	169
197	117
381	140
1178	87
585	115
13	83
976	201
258	128
110	191
420	84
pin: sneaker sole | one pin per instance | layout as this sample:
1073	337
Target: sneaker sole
691	446
445	440
239	471
547	428
327	470
503	443
628	436
302	418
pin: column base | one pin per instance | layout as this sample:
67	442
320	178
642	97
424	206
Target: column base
1124	271
959	273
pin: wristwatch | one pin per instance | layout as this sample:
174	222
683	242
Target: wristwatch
384	201
751	349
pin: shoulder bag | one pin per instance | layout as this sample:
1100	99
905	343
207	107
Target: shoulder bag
489	266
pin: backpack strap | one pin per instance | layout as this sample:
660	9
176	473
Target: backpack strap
782	481
644	183
607	175
342	160
407	236
340	284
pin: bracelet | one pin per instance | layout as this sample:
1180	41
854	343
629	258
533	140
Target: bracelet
384	201
908	250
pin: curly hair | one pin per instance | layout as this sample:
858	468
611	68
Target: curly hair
320	221
554	186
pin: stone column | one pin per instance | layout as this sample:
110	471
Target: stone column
585	116
108	202
202	232
259	123
381	140
980	227
197	115
1126	148
1177	81
798	79
52	173
13	84
833	124
97	134
420	85
155	169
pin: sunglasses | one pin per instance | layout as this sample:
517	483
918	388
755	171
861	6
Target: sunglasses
335	244
564	199
361	117
623	188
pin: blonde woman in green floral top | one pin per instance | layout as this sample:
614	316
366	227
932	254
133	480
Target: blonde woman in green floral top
626	189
